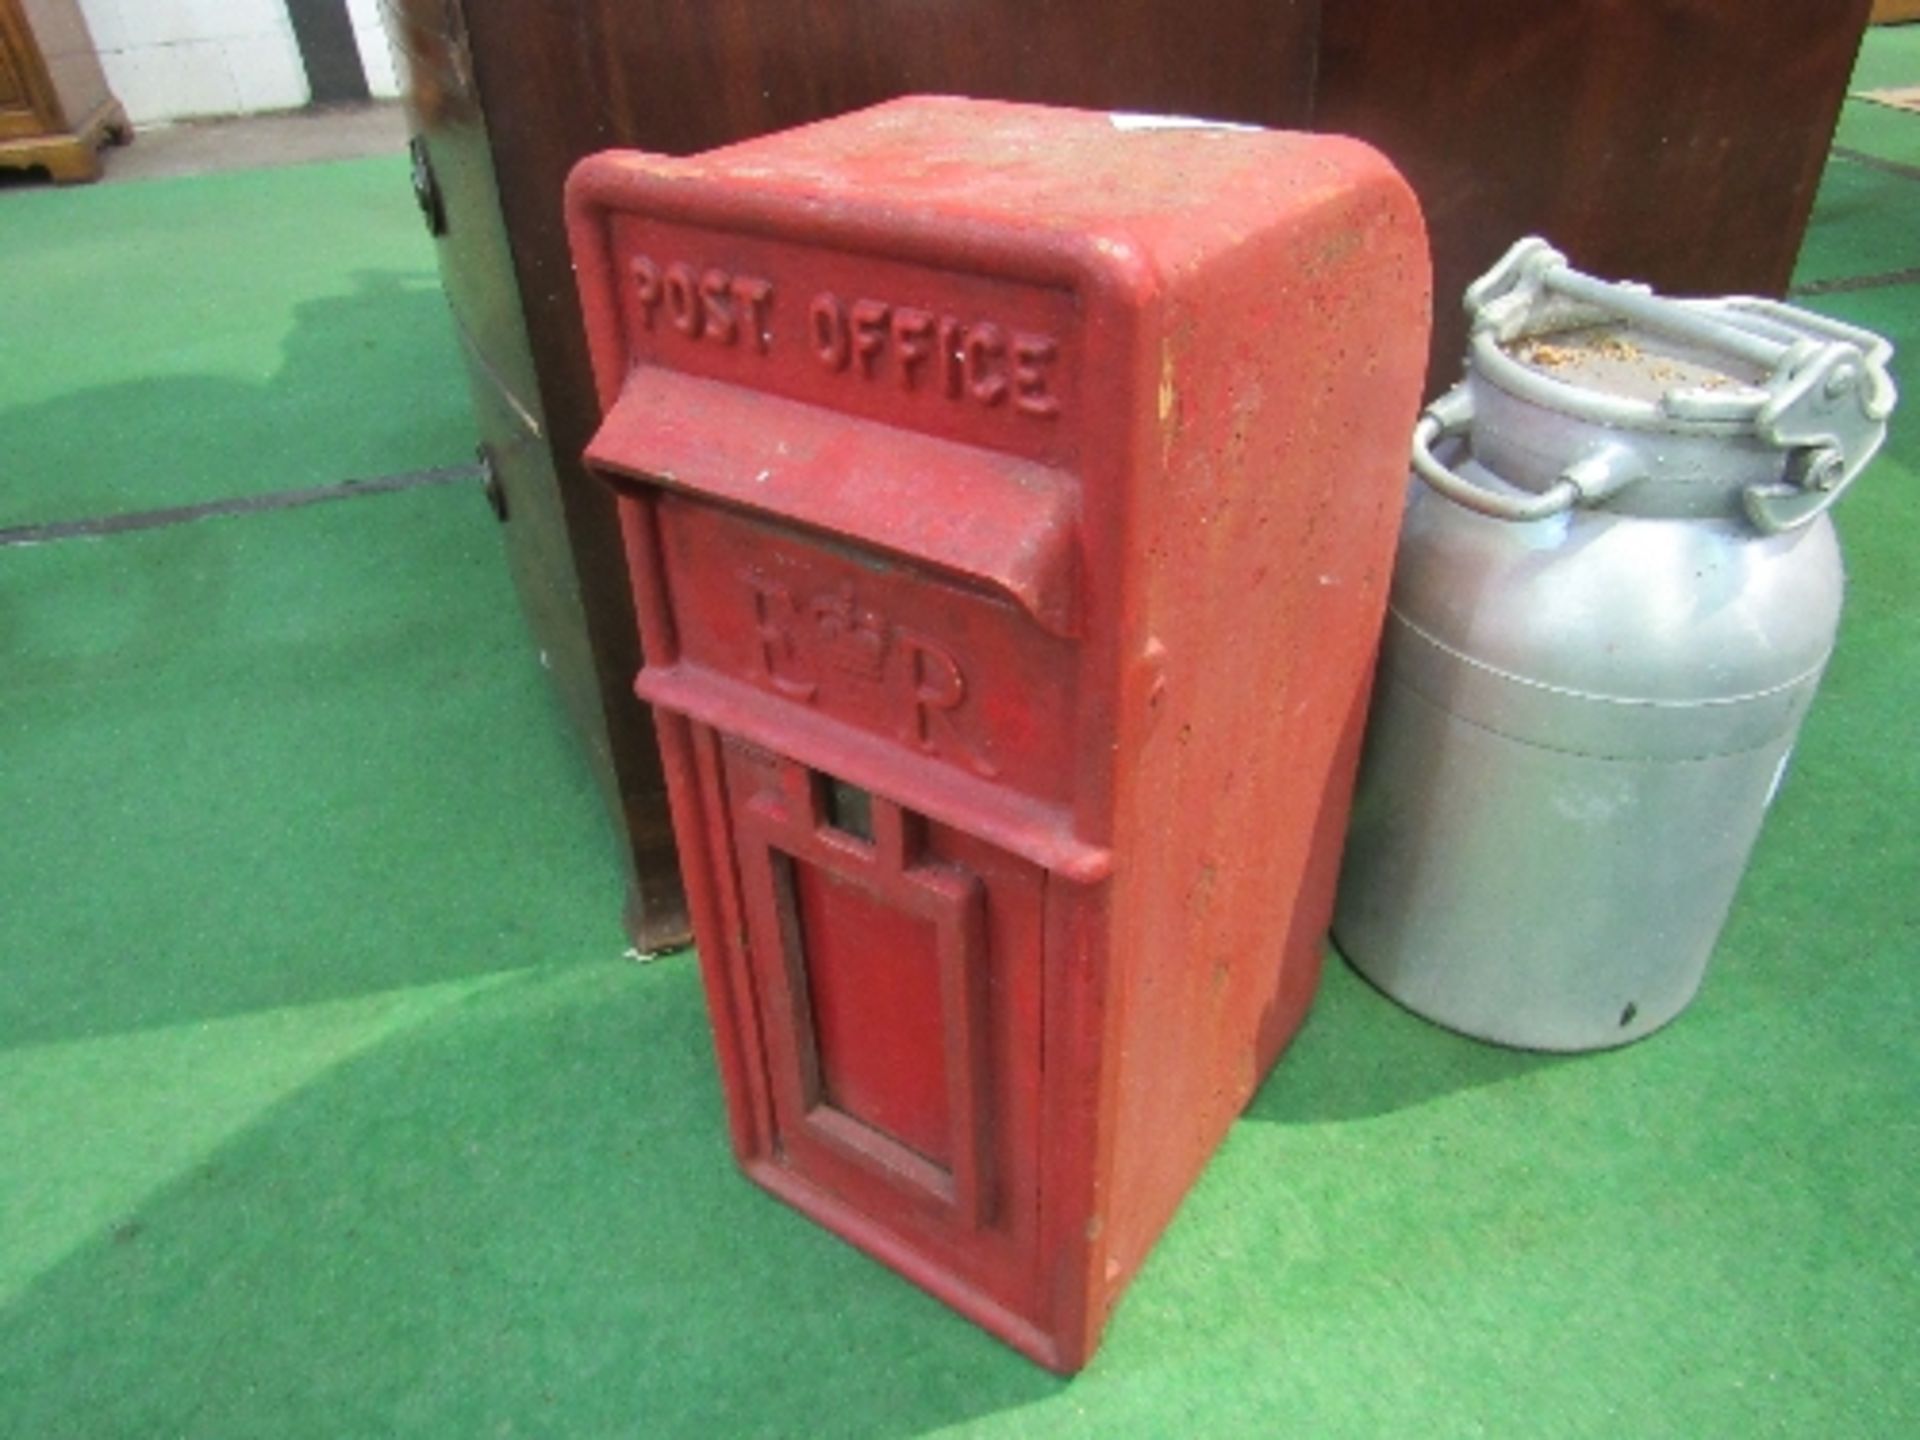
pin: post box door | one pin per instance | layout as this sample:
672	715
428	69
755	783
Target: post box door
896	967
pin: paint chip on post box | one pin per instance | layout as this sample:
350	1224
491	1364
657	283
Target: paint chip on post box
1010	499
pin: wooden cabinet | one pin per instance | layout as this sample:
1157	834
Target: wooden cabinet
55	108
556	526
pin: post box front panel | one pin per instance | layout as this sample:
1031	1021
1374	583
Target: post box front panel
896	973
945	352
933	666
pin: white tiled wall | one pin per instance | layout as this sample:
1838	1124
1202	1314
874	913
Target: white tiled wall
167	59
376	56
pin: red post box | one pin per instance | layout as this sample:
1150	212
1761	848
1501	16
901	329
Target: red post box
1010	494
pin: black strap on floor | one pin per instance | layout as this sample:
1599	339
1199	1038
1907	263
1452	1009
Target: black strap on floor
1842	284
1877	162
100	525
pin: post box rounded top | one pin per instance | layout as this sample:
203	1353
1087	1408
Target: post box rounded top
1116	198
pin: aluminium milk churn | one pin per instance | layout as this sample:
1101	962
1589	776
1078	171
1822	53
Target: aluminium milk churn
1616	589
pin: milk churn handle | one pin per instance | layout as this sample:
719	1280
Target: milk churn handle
1825	399
1591	479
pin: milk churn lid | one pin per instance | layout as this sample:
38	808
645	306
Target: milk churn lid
1619	355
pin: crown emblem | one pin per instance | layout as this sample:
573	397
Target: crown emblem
852	641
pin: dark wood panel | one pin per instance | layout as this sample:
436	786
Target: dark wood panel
1673	141
476	265
579	646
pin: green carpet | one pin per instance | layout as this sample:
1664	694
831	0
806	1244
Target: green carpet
166	342
330	1106
1890	59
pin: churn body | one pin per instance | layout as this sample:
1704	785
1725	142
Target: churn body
1585	708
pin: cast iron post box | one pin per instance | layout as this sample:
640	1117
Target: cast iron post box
1010	494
